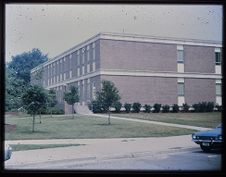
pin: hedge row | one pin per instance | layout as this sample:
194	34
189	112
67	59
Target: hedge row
156	108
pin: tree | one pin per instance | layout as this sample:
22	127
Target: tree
34	99
72	97
108	96
23	63
17	76
52	101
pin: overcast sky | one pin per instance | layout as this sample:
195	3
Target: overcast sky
56	28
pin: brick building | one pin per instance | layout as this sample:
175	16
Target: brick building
145	69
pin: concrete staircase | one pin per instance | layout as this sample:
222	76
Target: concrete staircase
82	109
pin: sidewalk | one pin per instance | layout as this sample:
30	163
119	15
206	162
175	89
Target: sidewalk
155	122
98	149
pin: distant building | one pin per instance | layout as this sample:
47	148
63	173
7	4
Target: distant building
145	69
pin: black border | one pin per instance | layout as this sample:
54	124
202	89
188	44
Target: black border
102	172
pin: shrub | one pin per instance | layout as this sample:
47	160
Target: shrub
96	106
117	106
136	107
147	108
186	107
56	110
204	107
165	108
157	107
219	108
210	106
127	107
175	108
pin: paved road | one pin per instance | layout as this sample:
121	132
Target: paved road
186	159
120	153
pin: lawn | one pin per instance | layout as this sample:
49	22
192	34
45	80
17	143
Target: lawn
64	127
23	147
209	120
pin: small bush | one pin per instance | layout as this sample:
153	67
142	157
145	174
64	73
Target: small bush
136	107
117	106
203	107
147	108
157	107
219	108
127	107
165	108
210	106
175	108
96	106
185	107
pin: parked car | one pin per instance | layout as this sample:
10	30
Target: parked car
8	152
209	140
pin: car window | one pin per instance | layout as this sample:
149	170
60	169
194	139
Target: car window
219	126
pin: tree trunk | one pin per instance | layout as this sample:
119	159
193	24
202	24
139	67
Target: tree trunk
40	118
109	121
33	124
72	106
51	112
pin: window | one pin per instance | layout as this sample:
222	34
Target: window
88	68
94	66
78	72
217	58
180	56
83	70
180	89
218	89
83	55
70	74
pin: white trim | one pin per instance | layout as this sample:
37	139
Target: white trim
218	69
219	100
180	80
142	73
180	67
180	47
217	50
180	100
218	81
145	73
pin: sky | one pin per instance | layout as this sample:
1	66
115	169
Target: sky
55	28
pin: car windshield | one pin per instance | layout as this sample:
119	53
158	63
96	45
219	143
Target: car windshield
219	126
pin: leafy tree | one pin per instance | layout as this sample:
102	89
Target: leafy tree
72	97
52	101
23	63
17	76
34	99
108	95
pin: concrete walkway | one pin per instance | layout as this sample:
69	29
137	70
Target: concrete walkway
155	122
97	149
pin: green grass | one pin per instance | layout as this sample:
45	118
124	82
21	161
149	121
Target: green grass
209	120
23	147
64	127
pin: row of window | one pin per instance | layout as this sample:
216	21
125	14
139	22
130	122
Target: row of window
78	72
180	56
87	91
180	89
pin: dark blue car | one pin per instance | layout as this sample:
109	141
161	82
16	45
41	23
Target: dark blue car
209	140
